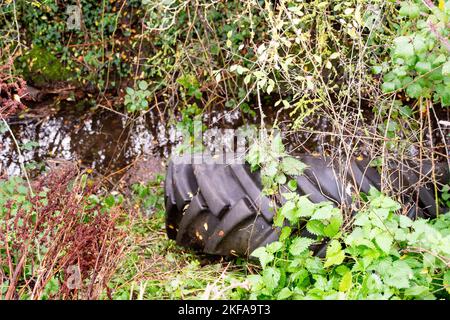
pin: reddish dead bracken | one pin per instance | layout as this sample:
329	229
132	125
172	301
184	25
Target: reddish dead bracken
13	90
60	245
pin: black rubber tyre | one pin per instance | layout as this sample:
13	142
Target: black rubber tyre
219	209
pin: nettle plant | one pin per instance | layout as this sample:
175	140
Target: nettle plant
376	254
275	164
385	256
420	59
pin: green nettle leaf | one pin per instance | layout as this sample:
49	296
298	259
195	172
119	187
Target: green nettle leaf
285	233
21	189
414	90
376	69
335	255
292	185
30	145
280	178
271	277
270	169
388	87
278	220
305	208
285	293
292	166
274	247
333	227
446	69
346	282
419	292
288	211
300	245
143	85
423	67
420	44
398	274
447	281
389	203
263	255
316	227
405	81
404	221
409	9
277	145
110	201
403	48
384	241
323	213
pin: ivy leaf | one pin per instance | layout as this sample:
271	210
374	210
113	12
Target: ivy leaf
300	245
384	241
263	255
292	166
334	255
346	282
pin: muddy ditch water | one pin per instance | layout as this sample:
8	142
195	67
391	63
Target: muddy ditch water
107	141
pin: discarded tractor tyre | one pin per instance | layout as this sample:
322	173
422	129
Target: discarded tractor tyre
219	209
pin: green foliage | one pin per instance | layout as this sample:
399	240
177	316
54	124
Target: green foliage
155	268
41	66
98	53
446	195
274	162
137	99
420	57
385	256
63	218
190	85
149	197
